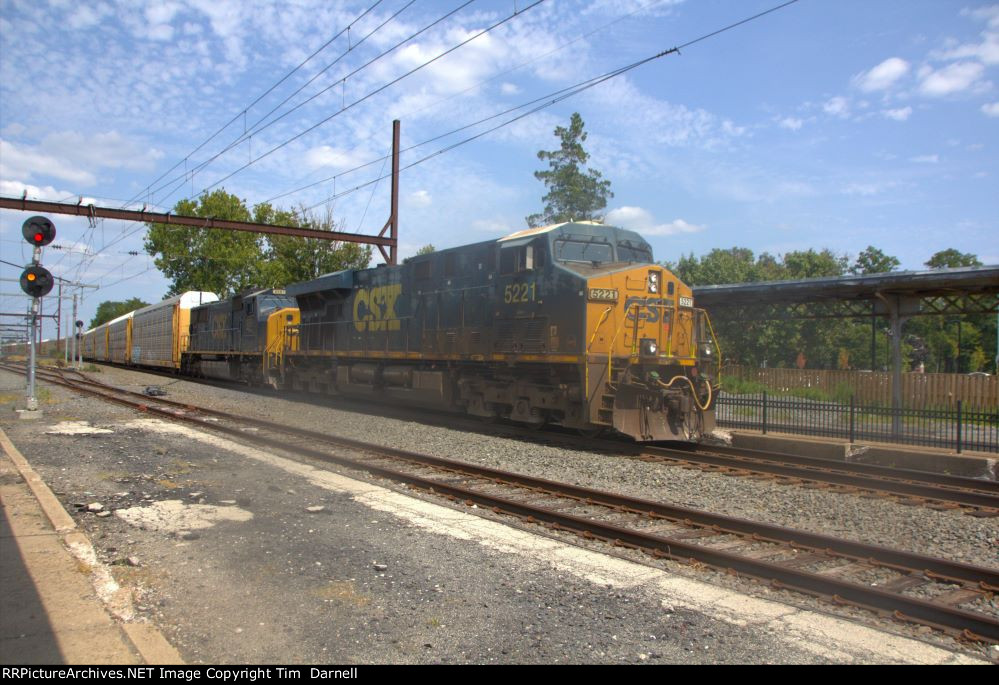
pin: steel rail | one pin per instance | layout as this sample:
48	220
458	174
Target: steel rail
971	625
829	471
979	494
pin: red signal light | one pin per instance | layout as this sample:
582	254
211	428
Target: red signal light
38	231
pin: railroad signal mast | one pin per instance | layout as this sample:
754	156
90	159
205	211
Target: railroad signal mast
37	282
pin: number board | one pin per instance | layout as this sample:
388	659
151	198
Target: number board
603	294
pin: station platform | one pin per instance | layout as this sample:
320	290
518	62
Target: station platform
51	612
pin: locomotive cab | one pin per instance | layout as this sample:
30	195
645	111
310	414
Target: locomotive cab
647	354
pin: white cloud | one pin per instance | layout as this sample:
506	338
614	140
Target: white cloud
869	189
925	159
991	109
162	13
988	14
883	76
731	129
987	51
85	16
641	220
954	78
421	198
509	88
327	157
18	161
16	189
837	106
898	114
791	123
494	227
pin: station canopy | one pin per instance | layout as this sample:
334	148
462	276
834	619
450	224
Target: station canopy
964	290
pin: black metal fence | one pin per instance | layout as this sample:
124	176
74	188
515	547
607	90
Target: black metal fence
960	429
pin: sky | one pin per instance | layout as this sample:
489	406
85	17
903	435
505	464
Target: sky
826	124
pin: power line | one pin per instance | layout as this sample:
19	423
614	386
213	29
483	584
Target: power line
257	128
371	94
466	90
257	100
549	100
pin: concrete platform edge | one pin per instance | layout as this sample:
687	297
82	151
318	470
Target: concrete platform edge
970	465
148	641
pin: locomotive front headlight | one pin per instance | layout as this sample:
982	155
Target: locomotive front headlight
653	282
649	347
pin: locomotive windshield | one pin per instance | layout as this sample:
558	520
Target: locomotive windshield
587	251
630	252
599	251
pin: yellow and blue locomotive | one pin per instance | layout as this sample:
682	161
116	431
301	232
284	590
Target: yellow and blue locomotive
571	324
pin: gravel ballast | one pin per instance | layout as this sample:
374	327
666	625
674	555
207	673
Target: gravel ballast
548	627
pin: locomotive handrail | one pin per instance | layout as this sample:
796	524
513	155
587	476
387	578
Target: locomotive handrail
586	360
714	341
610	348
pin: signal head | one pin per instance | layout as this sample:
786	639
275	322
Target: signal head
37	281
39	231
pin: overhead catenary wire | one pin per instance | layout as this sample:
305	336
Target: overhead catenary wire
546	101
259	126
475	86
370	95
260	97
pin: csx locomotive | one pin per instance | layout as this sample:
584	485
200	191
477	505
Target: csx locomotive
570	324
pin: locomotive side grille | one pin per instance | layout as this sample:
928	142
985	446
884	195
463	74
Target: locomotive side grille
521	335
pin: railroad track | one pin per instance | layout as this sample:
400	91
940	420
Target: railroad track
956	598
936	490
976	497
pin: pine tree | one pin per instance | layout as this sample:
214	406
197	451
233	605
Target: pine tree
574	192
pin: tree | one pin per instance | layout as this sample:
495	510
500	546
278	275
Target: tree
426	249
951	259
222	262
292	260
874	261
108	310
228	262
955	344
574	193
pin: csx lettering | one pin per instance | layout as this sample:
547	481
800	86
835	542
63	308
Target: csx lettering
649	308
374	308
218	326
